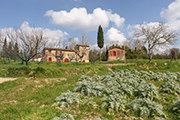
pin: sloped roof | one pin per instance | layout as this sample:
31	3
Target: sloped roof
57	49
82	45
116	48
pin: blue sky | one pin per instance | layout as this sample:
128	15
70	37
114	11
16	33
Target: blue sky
66	18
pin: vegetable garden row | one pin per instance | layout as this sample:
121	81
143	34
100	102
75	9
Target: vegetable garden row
126	92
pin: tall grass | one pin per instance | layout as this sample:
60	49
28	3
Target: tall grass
26	98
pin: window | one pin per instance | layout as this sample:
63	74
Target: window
114	53
49	51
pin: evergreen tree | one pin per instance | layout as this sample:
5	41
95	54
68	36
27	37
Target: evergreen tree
16	50
100	38
10	46
10	54
5	48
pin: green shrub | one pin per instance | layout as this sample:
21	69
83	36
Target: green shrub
176	107
40	70
18	71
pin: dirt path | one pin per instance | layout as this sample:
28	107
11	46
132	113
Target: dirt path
6	79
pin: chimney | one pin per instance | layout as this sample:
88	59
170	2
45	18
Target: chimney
66	47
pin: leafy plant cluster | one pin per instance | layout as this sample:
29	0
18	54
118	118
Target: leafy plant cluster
87	87
146	107
115	88
123	83
66	116
68	98
172	87
176	107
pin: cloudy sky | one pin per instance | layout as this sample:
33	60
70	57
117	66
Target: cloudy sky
67	18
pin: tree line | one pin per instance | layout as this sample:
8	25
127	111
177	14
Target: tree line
146	42
135	53
25	45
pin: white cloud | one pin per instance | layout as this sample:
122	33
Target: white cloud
152	25
51	35
54	34
76	40
172	14
130	29
114	36
94	47
78	18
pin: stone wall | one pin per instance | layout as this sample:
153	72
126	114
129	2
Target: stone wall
116	54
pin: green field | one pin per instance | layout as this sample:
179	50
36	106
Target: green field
29	99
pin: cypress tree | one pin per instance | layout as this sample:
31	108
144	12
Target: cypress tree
100	38
10	46
16	50
10	50
5	48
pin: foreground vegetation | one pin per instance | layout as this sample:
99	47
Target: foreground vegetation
26	98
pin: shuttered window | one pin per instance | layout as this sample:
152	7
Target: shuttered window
118	52
111	53
114	53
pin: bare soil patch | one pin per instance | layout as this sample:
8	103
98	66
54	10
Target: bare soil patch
6	79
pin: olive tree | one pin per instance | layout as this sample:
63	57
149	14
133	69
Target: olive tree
154	36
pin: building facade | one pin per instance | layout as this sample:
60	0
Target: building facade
79	54
115	54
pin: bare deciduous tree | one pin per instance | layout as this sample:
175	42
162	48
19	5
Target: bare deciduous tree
59	56
173	55
85	39
137	44
80	50
72	57
30	43
94	55
155	36
72	43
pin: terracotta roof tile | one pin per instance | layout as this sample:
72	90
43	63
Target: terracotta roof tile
57	49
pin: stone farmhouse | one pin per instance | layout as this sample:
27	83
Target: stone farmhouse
115	54
79	54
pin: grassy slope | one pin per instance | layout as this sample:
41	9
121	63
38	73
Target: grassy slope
26	98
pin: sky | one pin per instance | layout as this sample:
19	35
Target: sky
70	18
